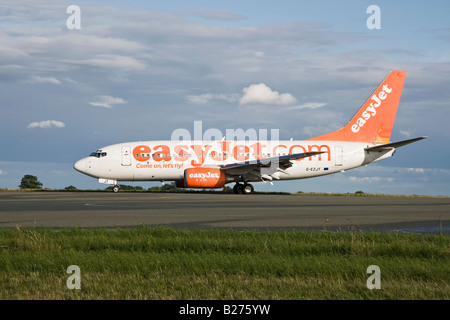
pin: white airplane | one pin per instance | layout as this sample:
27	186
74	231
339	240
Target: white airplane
212	164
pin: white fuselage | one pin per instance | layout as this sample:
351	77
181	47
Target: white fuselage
167	160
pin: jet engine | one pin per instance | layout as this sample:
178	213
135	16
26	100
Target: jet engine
204	178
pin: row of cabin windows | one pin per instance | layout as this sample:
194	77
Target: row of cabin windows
159	155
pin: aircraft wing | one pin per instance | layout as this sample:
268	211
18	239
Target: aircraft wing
388	146
253	167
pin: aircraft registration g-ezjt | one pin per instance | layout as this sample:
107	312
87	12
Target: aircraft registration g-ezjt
212	164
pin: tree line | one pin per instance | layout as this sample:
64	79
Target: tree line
32	182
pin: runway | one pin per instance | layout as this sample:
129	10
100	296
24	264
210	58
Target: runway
228	211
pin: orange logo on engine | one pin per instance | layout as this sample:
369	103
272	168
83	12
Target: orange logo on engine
204	178
142	153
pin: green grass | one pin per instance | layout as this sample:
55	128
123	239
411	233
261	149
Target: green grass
163	263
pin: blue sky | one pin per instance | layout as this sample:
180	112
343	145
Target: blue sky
138	70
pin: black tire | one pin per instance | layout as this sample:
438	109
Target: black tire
247	188
238	188
116	189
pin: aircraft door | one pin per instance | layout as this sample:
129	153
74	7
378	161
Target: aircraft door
339	156
126	156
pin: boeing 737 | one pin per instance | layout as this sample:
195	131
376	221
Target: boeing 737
214	163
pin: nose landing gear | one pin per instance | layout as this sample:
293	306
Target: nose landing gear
245	188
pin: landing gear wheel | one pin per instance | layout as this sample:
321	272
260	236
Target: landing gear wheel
243	188
238	188
116	188
247	188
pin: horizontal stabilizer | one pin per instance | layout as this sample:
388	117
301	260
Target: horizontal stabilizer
391	145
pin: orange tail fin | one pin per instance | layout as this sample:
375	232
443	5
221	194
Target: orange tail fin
374	121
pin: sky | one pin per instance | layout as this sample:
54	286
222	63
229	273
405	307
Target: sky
138	70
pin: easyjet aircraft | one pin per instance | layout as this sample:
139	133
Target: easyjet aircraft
213	164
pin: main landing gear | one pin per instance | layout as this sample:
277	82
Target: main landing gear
245	188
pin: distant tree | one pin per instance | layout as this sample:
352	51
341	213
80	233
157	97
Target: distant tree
70	188
30	182
170	187
124	187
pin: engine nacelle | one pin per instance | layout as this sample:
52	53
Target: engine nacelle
204	178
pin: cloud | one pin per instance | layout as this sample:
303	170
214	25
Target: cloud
370	179
2	172
220	15
206	97
47	124
312	131
429	172
111	61
405	133
309	105
107	101
416	170
262	94
274	98
37	79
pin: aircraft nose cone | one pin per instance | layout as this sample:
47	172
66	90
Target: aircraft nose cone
80	165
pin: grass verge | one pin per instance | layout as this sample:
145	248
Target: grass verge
164	263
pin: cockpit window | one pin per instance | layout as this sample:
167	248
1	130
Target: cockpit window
98	154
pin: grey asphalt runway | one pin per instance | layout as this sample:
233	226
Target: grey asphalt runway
229	211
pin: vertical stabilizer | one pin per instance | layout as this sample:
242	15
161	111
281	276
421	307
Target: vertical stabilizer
374	120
